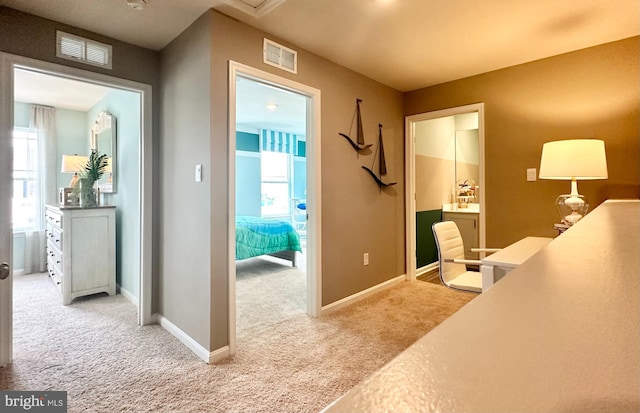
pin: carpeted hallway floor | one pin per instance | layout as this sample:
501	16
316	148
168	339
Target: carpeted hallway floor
286	361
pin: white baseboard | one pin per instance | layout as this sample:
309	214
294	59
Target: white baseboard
427	268
126	294
361	295
209	357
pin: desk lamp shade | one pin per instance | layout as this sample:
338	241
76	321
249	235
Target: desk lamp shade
573	160
73	164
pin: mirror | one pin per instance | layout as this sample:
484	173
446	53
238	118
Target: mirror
467	165
103	139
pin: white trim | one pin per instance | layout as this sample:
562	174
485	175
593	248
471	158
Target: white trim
362	294
126	294
427	268
410	171
205	355
146	151
314	201
6	234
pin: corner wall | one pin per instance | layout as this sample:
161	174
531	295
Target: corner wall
590	93
183	294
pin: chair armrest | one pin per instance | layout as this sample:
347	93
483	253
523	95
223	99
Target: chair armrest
485	249
458	261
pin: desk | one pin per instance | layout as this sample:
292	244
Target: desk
498	264
548	340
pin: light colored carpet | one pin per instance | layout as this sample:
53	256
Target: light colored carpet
286	361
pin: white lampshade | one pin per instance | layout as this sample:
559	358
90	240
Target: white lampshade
108	168
573	159
73	163
578	159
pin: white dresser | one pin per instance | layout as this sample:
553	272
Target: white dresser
81	250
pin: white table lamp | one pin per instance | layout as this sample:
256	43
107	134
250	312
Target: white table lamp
73	164
574	159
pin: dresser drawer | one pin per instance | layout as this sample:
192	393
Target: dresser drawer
55	257
54	218
54	236
54	268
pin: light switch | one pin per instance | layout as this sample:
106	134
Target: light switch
199	173
531	174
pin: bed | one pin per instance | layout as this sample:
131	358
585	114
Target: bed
257	236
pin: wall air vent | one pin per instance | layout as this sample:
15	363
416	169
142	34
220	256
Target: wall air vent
79	49
280	56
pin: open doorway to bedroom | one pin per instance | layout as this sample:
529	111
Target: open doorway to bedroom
274	203
271	205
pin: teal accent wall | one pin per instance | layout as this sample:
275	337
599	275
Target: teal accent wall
249	142
426	250
302	149
125	106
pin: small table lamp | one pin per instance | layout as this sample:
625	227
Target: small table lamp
73	164
574	159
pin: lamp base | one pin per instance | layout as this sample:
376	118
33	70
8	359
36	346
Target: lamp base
571	207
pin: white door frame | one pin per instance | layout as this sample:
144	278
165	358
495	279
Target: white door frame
314	236
8	63
410	178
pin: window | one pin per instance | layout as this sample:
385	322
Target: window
27	208
275	172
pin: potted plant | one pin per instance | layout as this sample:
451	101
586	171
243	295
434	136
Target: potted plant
93	170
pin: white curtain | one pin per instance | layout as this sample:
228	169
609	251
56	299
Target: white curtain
35	255
42	119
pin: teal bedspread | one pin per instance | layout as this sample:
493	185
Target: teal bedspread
258	236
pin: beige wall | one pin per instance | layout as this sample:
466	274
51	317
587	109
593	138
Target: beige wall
357	216
590	93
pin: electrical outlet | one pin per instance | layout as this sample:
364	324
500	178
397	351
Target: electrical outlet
365	258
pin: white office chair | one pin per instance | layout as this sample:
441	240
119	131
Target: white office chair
453	265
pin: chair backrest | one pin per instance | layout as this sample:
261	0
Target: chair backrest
450	246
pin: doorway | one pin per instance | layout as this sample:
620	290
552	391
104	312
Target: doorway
140	209
444	153
311	226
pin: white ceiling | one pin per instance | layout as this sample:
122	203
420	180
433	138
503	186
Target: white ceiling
33	87
406	44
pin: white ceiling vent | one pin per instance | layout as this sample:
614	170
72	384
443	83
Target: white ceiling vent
280	56
79	49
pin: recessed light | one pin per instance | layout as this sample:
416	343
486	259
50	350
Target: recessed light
272	106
